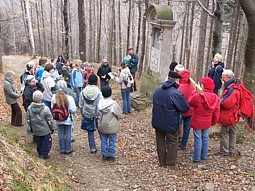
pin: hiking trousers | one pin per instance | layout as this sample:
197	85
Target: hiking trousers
16	119
167	152
227	139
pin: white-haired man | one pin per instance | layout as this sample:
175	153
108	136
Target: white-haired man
229	113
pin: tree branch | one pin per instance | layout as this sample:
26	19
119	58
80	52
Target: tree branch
205	9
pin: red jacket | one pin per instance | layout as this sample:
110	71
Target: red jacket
186	88
86	75
206	110
229	110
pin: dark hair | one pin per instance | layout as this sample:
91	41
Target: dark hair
172	66
42	61
48	67
123	65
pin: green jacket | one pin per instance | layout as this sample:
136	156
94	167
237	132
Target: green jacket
10	91
132	62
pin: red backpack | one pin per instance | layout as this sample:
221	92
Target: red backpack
246	105
60	113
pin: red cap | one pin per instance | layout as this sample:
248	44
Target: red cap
207	83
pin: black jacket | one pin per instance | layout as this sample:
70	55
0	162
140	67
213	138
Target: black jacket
28	93
104	70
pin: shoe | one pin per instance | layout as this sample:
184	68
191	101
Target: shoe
221	154
69	152
93	150
111	159
73	140
182	148
44	157
104	158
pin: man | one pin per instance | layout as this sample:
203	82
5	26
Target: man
131	61
102	72
229	109
168	104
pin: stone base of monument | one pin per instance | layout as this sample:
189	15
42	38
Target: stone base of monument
139	101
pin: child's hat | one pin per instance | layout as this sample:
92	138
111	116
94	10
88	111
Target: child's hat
92	79
106	91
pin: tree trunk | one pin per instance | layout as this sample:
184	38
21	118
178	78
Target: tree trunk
218	27
57	31
182	39
38	30
30	29
45	46
139	26
120	35
141	60
201	41
110	33
71	37
82	34
52	52
65	15
99	31
248	7
14	32
90	31
129	22
114	35
1	50
186	45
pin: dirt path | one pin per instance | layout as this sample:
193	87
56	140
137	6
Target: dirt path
136	166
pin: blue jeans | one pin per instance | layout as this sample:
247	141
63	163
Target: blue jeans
200	145
108	144
78	92
64	138
126	103
186	130
92	143
44	144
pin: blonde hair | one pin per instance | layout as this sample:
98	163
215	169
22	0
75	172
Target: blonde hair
61	99
77	63
218	57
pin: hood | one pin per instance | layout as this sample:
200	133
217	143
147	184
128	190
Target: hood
37	107
9	76
46	74
125	70
185	74
90	92
169	83
220	64
211	99
104	104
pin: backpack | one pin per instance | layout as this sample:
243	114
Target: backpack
246	105
60	113
129	80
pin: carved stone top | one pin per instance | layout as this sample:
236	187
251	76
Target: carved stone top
159	12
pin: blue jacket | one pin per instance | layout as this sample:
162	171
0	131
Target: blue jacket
215	74
77	79
40	73
168	104
132	62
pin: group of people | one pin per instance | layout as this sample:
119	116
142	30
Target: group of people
176	102
54	91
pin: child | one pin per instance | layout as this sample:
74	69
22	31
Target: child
108	124
206	114
61	99
41	123
11	95
86	74
88	103
77	81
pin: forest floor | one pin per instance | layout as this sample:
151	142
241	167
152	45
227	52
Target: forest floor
136	166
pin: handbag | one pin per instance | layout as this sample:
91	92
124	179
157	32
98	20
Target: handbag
88	124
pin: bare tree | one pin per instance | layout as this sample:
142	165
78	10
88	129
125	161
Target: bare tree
110	33
129	23
52	52
82	34
45	46
99	31
66	23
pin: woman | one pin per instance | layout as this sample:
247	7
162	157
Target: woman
11	95
125	80
61	99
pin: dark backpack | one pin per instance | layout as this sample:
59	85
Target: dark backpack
60	113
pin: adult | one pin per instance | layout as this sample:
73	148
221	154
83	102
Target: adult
11	95
102	72
59	64
64	127
186	88
206	114
40	69
168	103
31	85
28	71
125	84
66	71
215	72
229	113
131	61
48	84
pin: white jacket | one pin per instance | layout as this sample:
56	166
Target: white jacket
124	75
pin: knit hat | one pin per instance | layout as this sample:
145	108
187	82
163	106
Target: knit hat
37	96
61	84
174	75
106	91
207	83
104	61
172	65
30	65
92	79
